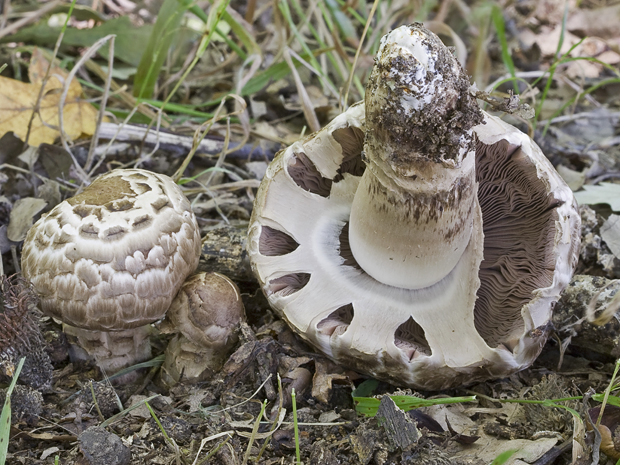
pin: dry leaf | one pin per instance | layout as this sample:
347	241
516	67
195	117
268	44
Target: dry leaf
551	11
574	179
18	99
22	217
600	22
325	373
548	38
604	192
488	447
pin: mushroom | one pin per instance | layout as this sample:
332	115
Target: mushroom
416	238
108	262
205	314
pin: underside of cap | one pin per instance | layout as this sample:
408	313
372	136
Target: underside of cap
298	245
114	256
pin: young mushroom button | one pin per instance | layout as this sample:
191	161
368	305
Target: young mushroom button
109	261
205	315
416	238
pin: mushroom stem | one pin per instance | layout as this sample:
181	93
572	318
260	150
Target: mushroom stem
419	180
454	292
439	205
112	350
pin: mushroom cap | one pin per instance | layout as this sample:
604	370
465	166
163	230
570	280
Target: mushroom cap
487	318
113	257
207	311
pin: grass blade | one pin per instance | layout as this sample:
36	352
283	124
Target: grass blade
164	32
217	10
5	417
502	458
295	427
369	405
500	28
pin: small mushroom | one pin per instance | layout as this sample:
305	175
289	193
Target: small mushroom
205	314
109	261
416	238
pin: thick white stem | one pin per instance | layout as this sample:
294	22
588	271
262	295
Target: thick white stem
413	238
412	215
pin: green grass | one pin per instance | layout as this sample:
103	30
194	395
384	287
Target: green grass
164	34
369	405
502	458
295	427
255	427
500	29
5	417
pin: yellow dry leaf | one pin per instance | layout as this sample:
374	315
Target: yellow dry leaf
18	99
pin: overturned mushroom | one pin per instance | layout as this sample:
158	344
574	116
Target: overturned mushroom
109	261
206	315
416	238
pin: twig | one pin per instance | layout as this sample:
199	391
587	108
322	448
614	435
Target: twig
343	103
37	105
151	137
104	101
35	15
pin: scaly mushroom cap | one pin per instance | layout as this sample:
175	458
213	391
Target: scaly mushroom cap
416	238
114	256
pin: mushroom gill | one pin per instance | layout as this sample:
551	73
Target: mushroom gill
518	215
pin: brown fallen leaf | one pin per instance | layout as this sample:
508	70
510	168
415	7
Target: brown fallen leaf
22	217
18	99
326	372
609	429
